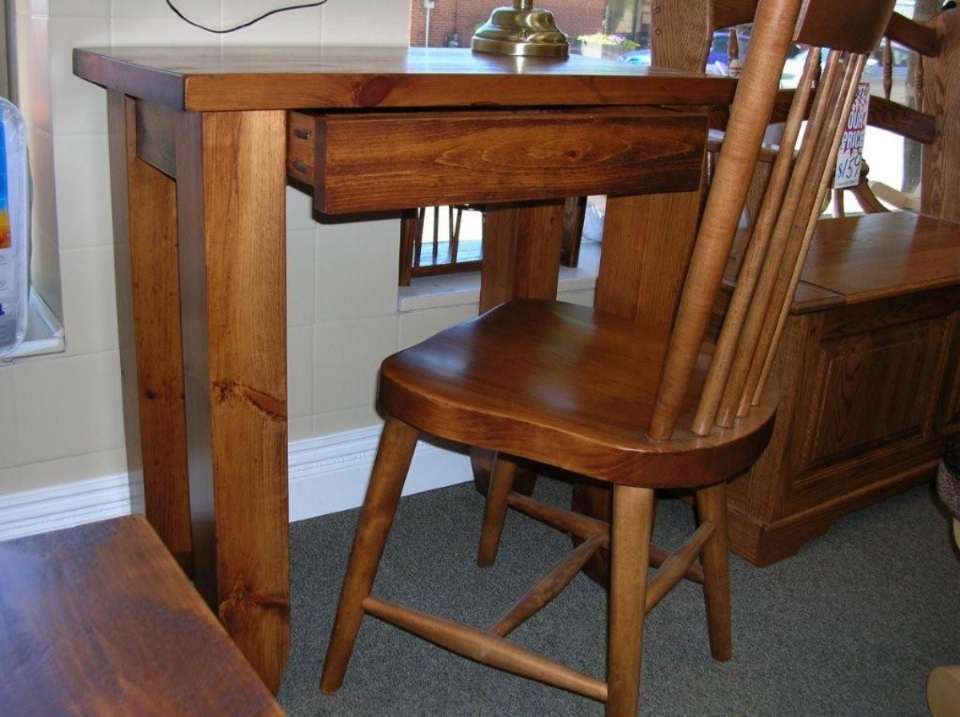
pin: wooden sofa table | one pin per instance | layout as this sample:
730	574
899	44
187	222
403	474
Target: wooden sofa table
869	376
202	143
100	620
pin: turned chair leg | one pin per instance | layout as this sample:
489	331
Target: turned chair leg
712	506
495	513
383	494
631	529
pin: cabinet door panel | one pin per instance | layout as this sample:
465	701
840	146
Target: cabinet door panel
874	388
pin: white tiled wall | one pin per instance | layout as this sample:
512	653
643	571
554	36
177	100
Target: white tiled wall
60	417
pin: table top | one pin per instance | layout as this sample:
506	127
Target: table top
273	78
100	620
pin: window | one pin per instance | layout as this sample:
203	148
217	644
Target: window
620	30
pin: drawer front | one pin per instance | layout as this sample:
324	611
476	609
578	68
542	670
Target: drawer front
389	161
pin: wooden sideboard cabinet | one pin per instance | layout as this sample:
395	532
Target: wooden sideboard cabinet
869	372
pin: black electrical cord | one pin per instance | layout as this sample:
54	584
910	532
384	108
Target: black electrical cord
255	20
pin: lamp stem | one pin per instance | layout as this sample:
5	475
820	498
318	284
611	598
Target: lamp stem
523	4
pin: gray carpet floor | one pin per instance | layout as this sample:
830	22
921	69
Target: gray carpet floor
850	626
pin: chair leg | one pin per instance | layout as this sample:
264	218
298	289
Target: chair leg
712	506
383	494
631	528
495	513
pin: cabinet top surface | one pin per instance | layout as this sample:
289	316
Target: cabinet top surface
878	256
260	78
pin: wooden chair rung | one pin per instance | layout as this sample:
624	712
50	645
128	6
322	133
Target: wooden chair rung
486	648
676	566
548	587
658	556
585	527
576	524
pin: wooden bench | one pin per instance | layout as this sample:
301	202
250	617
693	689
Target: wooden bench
869	376
100	620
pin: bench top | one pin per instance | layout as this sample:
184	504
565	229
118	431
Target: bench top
878	256
100	620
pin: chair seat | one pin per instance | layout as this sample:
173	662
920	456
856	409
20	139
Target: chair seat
532	376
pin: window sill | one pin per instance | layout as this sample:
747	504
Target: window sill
44	333
434	292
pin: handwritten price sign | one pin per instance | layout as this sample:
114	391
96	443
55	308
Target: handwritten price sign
850	158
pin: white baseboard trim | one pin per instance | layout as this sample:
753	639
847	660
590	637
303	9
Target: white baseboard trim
328	474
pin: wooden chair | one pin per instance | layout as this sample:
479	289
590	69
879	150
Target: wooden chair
584	390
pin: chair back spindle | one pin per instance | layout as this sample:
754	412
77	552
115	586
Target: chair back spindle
801	205
778	317
794	199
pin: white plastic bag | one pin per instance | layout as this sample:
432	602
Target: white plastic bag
14	228
593	220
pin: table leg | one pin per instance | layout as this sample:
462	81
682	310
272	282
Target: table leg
521	259
647	242
231	184
151	357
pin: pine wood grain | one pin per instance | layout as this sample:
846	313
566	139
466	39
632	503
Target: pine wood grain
864	22
683	33
877	256
488	649
156	125
268	78
630	544
533	375
382	162
548	587
919	37
148	318
724	205
397	443
864	393
941	98
905	121
522	249
231	196
99	620
521	252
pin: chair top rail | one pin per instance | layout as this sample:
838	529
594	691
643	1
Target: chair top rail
902	30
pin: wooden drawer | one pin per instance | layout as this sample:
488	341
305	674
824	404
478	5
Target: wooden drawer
301	146
399	160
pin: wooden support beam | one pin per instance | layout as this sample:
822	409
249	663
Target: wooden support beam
675	567
658	556
909	33
487	649
884	114
146	262
548	587
902	120
156	132
585	527
941	98
576	524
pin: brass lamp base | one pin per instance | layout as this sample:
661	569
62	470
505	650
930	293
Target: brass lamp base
521	31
